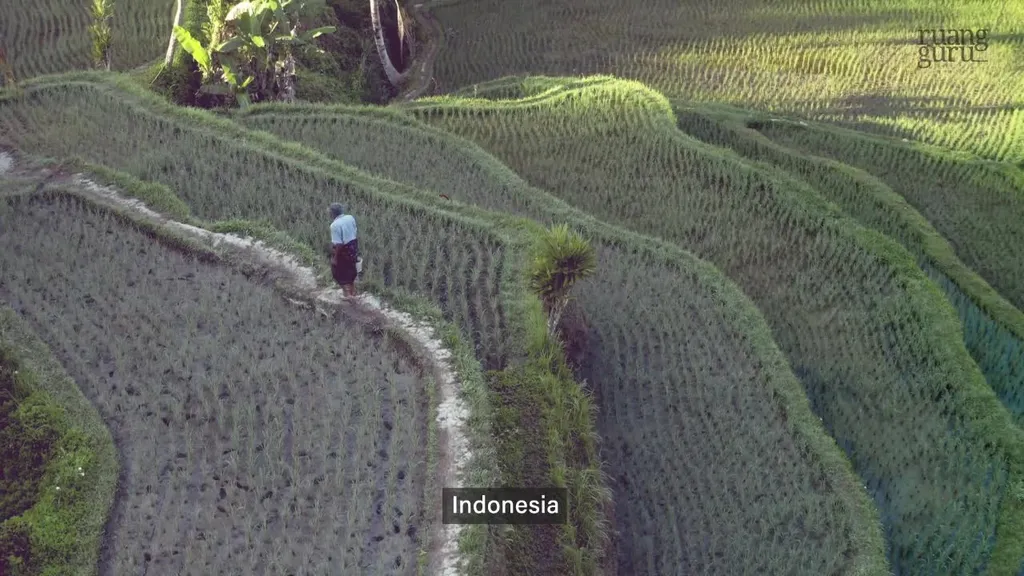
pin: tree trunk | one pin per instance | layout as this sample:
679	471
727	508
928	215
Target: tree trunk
401	29
5	67
178	10
287	79
555	314
394	76
264	77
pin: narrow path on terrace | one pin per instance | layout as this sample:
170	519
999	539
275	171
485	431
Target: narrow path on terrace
301	288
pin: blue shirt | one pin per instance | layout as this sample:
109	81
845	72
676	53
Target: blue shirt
343	229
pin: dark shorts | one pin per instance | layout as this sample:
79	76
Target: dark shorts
344	271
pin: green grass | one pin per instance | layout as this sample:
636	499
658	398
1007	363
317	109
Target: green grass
60	468
876	346
661	339
851	61
456	256
993	329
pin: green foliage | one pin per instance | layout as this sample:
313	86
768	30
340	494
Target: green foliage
16	546
565	258
58	470
250	45
216	16
27	438
66	42
226	80
195	49
319	87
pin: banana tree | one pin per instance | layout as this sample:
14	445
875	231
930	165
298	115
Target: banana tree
220	72
257	50
264	33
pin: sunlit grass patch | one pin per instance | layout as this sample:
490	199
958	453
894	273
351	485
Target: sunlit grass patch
850	60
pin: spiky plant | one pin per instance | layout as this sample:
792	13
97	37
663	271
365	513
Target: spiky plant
102	11
564	258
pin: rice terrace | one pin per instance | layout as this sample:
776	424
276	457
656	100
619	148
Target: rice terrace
479	287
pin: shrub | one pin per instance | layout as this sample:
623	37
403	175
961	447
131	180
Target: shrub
564	258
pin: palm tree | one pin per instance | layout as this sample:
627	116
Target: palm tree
394	76
564	258
179	10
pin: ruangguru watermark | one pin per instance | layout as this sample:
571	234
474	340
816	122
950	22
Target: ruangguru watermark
942	45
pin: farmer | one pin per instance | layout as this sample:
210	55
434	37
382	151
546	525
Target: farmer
344	249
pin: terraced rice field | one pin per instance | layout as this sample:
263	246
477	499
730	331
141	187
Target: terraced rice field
980	205
679	383
221	176
438	254
854	61
50	36
837	388
371	139
253	437
993	328
736	388
877	348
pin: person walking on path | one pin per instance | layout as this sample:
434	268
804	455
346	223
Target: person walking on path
344	249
